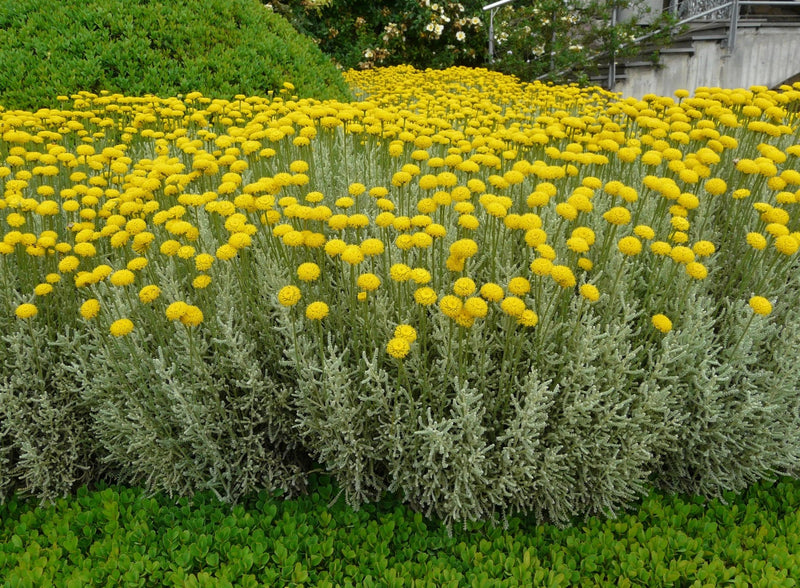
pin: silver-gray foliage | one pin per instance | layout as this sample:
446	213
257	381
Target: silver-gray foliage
46	448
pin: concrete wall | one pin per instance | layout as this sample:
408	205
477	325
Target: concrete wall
763	56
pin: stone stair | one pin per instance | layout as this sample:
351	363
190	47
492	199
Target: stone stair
707	39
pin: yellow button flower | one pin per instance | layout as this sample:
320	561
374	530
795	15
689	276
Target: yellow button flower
406	332
289	295
90	308
398	347
760	305
630	246
308	272
316	311
121	327
590	292
425	296
26	311
662	323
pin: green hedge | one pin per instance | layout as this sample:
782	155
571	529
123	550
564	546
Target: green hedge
217	47
120	536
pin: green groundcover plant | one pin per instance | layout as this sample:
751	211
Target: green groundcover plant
120	536
166	47
486	296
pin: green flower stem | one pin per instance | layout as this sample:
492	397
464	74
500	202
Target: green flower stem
739	340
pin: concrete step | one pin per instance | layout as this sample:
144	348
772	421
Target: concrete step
710	37
676	50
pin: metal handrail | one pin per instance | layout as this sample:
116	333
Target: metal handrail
637	40
734	21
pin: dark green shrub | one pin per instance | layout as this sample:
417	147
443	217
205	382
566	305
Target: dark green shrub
217	47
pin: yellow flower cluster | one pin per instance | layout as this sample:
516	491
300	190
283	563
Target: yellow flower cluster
463	194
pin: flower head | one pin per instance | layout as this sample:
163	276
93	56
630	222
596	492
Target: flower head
630	246
563	276
644	232
450	305
787	244
289	295
352	254
619	215
425	296
68	264
398	347
464	248
316	311
703	248
476	307
201	281
541	266
176	310
528	318
492	292
660	248
420	275
308	272
513	306
372	247
716	186
368	282
121	327
90	308
26	311
760	305
192	317
756	240
203	262
519	286
697	270
400	272
464	287
43	289
149	293
577	244
681	254
590	292
662	323
406	332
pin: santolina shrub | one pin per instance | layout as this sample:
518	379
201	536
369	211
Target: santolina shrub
485	295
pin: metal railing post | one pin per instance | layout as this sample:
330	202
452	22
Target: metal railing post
491	35
612	64
734	24
492	8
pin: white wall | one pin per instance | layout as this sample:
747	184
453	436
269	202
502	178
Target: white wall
763	56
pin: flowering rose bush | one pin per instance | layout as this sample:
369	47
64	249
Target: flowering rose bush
417	32
563	40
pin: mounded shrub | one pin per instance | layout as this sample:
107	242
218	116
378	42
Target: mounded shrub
217	47
229	337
